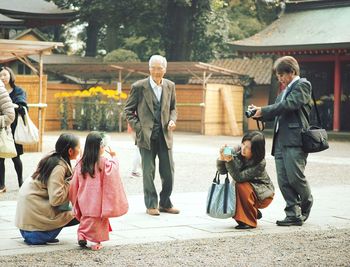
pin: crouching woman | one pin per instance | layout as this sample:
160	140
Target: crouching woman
39	215
254	189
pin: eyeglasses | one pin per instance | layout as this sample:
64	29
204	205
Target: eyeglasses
157	68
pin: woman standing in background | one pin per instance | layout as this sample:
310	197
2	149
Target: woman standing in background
19	99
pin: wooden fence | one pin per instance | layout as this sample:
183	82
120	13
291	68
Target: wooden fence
30	84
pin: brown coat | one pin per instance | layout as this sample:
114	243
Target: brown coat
37	204
246	171
139	111
7	112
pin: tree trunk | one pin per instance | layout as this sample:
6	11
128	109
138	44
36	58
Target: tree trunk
112	38
178	32
91	41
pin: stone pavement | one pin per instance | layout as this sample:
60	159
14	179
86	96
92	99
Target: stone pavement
330	210
192	223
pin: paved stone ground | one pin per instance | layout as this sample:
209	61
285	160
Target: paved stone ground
192	238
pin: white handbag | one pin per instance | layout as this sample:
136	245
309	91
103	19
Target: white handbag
26	132
7	145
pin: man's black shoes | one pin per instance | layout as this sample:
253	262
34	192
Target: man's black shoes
305	212
290	221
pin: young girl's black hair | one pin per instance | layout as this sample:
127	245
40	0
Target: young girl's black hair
48	163
91	153
257	140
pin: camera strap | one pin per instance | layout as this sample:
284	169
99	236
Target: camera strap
260	124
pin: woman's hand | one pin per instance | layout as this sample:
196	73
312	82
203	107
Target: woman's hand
227	158
224	157
110	151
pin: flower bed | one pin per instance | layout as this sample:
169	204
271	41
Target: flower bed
92	109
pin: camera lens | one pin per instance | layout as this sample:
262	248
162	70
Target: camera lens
250	112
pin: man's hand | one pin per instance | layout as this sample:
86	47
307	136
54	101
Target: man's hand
171	125
257	113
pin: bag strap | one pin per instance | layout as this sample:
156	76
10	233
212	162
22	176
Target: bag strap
227	185
305	114
317	114
215	182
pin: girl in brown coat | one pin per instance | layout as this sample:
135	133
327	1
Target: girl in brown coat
39	215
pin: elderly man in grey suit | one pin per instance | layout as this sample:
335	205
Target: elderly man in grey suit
151	113
291	114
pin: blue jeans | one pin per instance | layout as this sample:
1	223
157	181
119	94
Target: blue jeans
39	237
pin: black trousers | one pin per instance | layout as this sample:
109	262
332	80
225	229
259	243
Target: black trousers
166	171
18	167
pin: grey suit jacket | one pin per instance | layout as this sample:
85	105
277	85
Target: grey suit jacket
293	113
139	111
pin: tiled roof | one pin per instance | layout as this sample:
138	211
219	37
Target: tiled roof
4	20
260	69
66	59
31	7
325	28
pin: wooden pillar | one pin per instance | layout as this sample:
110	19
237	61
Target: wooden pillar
41	121
226	100
119	89
204	101
337	94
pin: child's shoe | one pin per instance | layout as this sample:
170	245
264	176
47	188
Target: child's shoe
82	241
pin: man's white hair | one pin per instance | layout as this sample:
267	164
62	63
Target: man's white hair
157	58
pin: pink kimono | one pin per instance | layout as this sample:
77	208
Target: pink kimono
96	199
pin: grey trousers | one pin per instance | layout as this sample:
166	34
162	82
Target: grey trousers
166	171
290	166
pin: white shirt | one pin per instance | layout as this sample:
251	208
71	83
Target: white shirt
289	86
157	89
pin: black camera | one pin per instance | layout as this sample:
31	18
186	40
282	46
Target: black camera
250	112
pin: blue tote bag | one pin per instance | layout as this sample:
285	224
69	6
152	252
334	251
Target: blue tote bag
221	200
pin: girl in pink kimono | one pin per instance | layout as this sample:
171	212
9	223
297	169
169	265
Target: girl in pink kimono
96	192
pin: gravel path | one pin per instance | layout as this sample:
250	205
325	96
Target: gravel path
317	248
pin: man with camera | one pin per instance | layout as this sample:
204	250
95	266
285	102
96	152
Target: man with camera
291	114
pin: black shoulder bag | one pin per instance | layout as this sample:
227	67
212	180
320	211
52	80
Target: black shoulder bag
314	138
